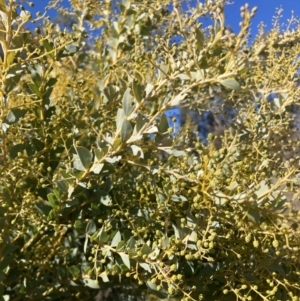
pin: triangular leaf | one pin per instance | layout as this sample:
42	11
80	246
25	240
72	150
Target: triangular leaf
200	38
163	124
117	238
125	259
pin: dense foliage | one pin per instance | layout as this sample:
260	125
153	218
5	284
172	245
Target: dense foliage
96	191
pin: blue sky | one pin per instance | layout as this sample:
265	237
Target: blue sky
266	10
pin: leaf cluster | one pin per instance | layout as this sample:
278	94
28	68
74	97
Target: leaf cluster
98	191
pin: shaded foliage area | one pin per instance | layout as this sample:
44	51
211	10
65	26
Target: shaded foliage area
96	191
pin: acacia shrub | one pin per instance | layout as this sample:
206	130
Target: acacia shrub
86	200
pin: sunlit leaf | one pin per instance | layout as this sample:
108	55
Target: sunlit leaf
137	151
177	99
125	259
104	277
231	83
149	89
117	238
120	118
91	283
15	114
145	266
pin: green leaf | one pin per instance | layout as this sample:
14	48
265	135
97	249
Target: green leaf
125	259
52	200
36	77
140	122
107	169
145	266
275	267
115	241
43	209
249	277
128	103
85	156
78	224
163	124
254	216
51	82
74	270
145	249
34	89
9	249
52	214
231	83
126	130
57	193
131	243
120	245
6	260
100	153
200	38
138	91
102	236
91	227
2	277
14	115
49	48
